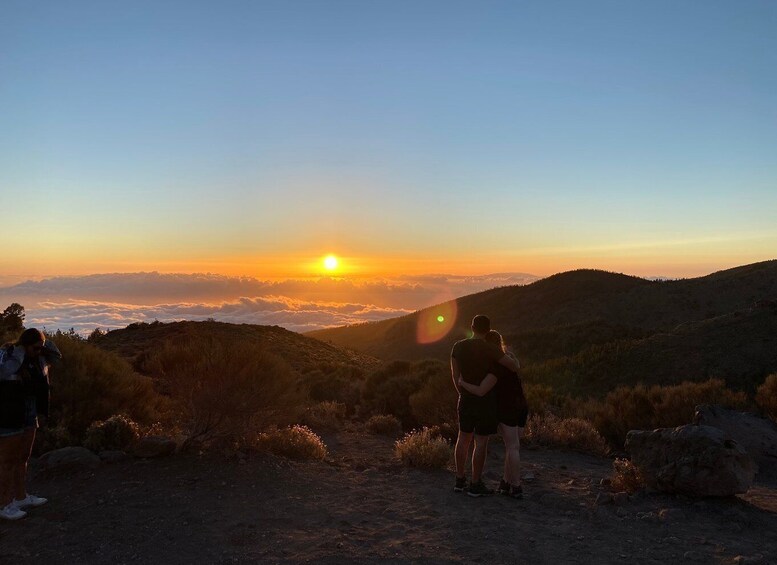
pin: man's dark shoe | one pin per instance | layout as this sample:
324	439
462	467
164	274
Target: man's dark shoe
461	484
516	491
479	489
504	487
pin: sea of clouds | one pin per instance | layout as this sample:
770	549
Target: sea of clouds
114	300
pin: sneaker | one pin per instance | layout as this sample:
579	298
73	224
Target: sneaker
516	491
30	500
461	484
479	489
11	512
504	487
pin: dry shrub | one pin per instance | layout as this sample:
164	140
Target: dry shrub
388	390
539	397
642	408
226	390
325	416
116	433
340	384
384	424
295	442
766	396
424	448
564	433
626	476
92	385
434	404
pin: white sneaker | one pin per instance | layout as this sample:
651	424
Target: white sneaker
30	500
11	512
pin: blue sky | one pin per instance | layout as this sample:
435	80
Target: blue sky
484	136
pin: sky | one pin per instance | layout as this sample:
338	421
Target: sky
251	139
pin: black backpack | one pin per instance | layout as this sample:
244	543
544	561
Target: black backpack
12	399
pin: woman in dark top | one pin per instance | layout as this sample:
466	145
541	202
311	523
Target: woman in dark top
512	412
24	395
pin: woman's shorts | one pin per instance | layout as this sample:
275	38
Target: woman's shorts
513	419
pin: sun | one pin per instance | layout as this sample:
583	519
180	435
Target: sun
331	262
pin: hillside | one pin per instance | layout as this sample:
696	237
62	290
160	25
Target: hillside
136	341
565	314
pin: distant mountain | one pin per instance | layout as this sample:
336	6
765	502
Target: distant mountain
562	316
137	341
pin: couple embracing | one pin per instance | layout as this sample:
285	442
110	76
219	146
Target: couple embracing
491	399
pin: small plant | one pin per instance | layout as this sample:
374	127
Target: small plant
626	476
423	448
565	433
766	396
325	416
116	433
295	442
384	424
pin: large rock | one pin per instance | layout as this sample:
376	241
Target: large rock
757	435
154	446
70	459
693	460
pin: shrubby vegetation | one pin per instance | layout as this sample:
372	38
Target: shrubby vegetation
647	408
324	416
626	477
424	448
766	396
295	442
115	433
226	391
565	433
384	424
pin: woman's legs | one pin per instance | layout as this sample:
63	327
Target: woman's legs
20	471
512	472
9	456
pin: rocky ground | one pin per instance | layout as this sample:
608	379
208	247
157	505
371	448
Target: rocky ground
362	506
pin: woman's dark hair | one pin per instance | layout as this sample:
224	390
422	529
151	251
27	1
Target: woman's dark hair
30	336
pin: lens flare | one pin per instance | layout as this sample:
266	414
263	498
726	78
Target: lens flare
436	322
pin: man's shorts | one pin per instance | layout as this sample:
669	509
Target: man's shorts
477	417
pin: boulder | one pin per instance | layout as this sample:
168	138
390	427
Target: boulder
757	435
69	459
154	446
693	460
113	456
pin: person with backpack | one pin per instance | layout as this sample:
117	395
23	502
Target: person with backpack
24	396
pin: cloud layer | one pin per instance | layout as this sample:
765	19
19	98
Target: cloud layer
115	300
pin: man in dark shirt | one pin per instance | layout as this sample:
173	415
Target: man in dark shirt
471	359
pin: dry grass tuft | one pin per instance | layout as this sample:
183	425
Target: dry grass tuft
325	416
384	424
565	433
424	448
766	396
116	433
295	442
626	476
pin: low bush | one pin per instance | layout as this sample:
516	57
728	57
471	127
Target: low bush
384	424
295	442
388	390
335	384
91	385
226	391
325	416
434	404
626	476
766	396
565	433
643	408
424	448
539	398
116	433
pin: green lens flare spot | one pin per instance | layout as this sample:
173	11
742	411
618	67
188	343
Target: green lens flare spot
441	319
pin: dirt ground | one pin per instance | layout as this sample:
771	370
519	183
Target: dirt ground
362	506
